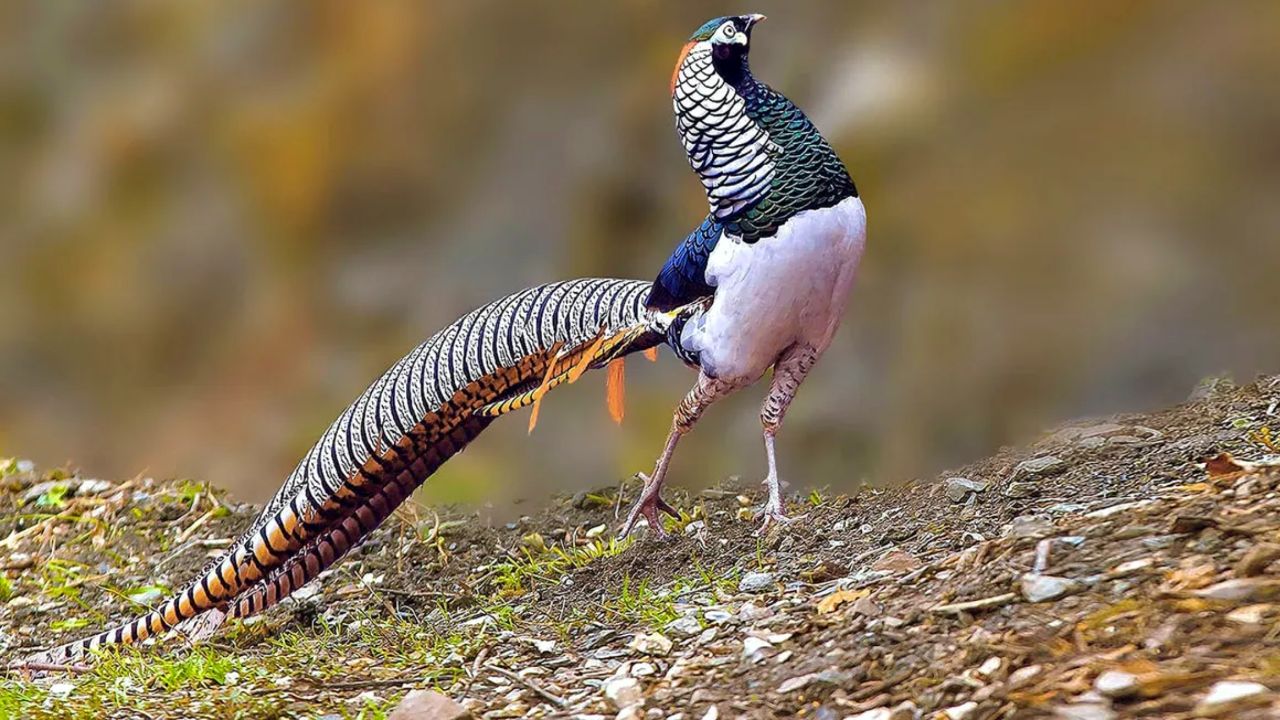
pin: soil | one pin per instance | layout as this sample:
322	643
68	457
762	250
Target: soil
1104	571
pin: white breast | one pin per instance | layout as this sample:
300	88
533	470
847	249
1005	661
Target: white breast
778	291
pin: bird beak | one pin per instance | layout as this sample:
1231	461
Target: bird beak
753	19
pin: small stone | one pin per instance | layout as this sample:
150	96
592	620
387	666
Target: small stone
1125	569
93	487
880	713
792	684
1030	526
630	712
1022	676
686	626
865	606
712	713
1039	588
756	582
1084	711
428	705
1227	696
960	712
905	710
623	692
61	690
1116	684
654	644
750	612
755	649
1256	560
597	531
896	561
1251	614
1045	465
717	616
990	667
1110	510
1015	490
1243	589
643	669
959	489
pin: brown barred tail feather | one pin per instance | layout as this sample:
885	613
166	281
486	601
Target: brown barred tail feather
422	411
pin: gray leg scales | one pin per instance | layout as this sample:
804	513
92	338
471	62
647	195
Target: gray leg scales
650	503
788	373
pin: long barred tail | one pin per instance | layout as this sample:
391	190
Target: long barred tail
422	411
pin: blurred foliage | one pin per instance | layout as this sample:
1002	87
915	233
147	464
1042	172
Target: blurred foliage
221	220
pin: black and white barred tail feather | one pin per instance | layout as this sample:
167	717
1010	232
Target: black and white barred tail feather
422	411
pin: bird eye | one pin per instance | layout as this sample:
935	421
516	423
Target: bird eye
730	30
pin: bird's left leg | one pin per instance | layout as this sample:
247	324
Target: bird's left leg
707	391
788	373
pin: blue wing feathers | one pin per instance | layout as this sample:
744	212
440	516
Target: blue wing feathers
683	278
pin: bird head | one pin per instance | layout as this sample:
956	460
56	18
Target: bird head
727	39
728	36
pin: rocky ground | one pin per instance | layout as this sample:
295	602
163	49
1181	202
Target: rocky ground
1101	572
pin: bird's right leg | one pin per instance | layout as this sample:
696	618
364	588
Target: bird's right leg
650	502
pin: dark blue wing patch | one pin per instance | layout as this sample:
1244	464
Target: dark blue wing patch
683	278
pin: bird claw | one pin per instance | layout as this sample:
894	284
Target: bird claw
648	505
773	514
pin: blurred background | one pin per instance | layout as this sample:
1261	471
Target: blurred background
219	221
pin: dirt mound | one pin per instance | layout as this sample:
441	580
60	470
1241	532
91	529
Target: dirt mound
1098	573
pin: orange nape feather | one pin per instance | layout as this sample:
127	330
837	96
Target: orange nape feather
651	354
675	74
616	389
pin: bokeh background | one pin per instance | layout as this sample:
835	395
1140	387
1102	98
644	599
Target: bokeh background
220	220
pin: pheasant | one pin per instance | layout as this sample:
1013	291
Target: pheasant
773	262
761	282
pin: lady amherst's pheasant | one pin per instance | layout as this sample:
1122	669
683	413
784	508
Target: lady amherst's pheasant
761	283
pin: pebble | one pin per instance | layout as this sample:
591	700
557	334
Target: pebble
1130	567
896	561
990	667
756	582
960	712
1084	711
686	626
1117	509
1228	695
1116	683
755	649
623	692
829	677
630	712
1015	490
654	644
880	713
428	705
750	612
1254	589
1039	588
1030	526
717	616
1045	465
905	710
1251	614
959	489
61	690
1023	675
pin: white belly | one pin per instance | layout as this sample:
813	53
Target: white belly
782	290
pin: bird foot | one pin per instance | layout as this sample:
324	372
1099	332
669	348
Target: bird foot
648	505
773	514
